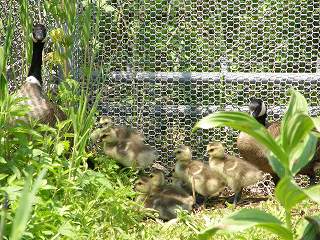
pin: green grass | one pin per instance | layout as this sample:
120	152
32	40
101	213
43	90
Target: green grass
184	229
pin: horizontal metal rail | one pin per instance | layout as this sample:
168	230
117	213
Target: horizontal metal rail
217	77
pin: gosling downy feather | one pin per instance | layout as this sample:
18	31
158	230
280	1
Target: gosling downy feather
206	182
237	172
163	198
128	149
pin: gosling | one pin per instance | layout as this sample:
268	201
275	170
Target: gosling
237	172
197	175
129	149
123	132
164	198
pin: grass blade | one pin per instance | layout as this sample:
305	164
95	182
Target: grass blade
25	206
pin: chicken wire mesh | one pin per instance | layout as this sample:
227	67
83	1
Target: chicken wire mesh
169	63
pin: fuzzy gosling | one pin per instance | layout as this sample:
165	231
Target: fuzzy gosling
163	198
197	175
237	172
128	149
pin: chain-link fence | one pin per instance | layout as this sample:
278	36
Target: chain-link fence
171	62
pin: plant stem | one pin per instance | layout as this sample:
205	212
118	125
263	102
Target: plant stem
4	216
288	220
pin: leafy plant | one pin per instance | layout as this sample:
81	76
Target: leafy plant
293	149
25	206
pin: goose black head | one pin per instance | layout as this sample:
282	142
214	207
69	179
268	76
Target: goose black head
257	108
39	33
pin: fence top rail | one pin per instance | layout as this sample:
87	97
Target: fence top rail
214	76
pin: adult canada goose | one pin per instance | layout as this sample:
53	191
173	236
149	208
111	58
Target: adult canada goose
254	153
164	198
41	108
197	175
237	172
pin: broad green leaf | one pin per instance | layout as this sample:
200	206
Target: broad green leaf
297	105
25	206
108	8
243	122
48	187
3	80
288	193
2	60
247	218
276	165
3	86
316	122
300	126
13	191
303	153
313	193
312	230
68	231
37	153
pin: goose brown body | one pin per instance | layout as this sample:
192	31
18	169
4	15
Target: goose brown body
256	154
40	108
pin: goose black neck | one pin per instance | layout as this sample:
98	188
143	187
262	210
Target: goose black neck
36	62
262	119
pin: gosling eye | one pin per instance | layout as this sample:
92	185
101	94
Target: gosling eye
105	135
178	152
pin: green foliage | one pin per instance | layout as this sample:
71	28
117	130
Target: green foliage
247	218
25	205
72	202
64	12
27	30
4	53
312	230
292	151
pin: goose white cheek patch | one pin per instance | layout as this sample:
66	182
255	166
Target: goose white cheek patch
32	79
263	109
